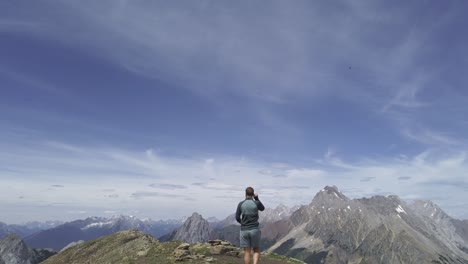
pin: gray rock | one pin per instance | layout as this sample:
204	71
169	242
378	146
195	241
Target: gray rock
13	250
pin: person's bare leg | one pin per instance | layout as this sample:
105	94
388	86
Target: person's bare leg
256	255
247	255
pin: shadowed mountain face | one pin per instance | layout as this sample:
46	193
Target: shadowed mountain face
336	229
14	251
94	227
195	229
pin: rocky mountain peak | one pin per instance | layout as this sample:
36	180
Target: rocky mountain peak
335	229
14	250
280	212
195	216
11	240
329	194
331	189
429	209
195	229
386	205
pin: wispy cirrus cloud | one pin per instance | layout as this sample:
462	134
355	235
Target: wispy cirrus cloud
139	194
271	53
419	176
404	178
431	137
30	81
168	186
366	179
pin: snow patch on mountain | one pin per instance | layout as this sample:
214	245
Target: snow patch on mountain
98	224
400	209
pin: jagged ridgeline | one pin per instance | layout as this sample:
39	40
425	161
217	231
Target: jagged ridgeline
336	229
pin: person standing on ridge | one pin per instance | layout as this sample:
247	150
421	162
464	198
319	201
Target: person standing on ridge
247	216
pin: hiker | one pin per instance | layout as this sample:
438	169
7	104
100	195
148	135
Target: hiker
247	216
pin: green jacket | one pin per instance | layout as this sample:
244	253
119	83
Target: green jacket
247	213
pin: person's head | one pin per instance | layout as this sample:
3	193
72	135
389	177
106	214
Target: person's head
249	192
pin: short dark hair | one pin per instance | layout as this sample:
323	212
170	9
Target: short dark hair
249	191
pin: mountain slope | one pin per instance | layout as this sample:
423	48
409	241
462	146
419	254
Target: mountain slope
336	229
135	247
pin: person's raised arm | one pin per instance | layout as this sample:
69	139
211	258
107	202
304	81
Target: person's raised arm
259	204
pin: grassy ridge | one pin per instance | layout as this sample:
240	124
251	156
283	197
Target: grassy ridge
134	247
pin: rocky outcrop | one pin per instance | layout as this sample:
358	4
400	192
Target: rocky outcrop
13	250
205	251
195	229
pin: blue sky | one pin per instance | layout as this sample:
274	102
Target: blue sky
140	107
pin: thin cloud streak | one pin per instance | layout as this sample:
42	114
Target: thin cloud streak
227	46
297	187
168	186
430	137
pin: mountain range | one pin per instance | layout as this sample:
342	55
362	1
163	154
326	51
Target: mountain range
93	227
26	229
331	229
336	229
